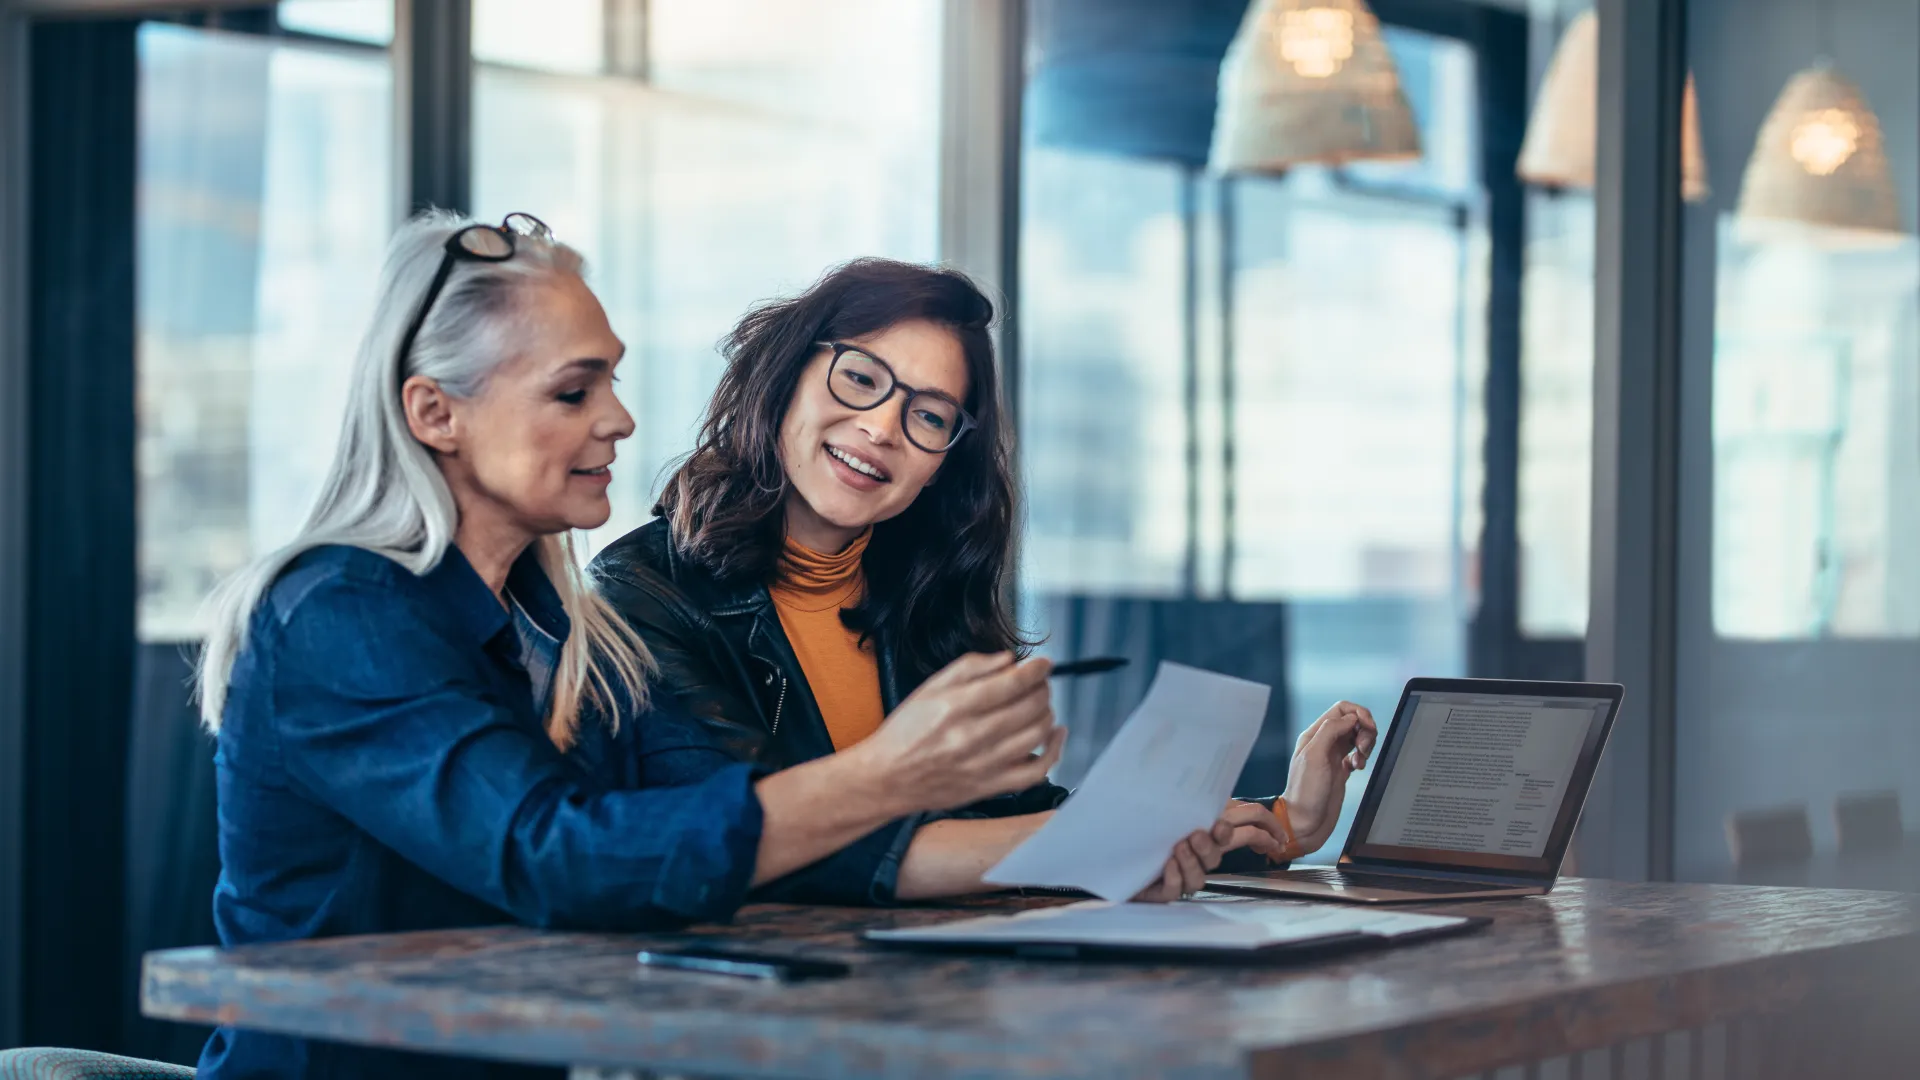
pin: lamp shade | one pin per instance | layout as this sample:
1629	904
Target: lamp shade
1309	81
1820	161
1563	132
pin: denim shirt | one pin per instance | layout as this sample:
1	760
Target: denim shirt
382	767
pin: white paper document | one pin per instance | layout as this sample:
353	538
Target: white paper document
1169	772
1230	925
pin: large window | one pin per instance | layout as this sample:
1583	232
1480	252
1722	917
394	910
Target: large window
1354	429
1816	438
265	187
1104	437
749	146
1556	415
1252	408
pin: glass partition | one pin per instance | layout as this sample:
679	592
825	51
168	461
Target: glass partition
1800	500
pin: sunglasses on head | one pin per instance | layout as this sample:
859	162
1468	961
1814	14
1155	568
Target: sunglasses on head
474	243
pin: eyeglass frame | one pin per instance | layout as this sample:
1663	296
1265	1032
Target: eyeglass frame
455	251
841	348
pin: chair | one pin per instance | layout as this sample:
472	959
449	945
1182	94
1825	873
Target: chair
1868	821
1775	835
49	1063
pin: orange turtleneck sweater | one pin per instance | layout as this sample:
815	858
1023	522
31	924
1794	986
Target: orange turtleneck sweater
844	677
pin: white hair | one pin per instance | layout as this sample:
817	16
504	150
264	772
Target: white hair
385	493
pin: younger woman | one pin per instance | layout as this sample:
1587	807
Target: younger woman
840	536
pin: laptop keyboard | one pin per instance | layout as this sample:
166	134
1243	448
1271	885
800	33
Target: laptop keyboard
1362	879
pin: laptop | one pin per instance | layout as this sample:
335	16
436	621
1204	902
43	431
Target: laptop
1474	795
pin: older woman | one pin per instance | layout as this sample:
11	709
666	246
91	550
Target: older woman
398	694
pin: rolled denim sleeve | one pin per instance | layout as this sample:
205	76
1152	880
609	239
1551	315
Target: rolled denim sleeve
672	747
864	872
385	721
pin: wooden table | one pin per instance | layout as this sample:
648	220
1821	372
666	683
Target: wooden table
1600	979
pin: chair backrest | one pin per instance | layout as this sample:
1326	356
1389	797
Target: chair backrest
1773	835
53	1063
1868	821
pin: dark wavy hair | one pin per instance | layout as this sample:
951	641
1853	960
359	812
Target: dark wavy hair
936	573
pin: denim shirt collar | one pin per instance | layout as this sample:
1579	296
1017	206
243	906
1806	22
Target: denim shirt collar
478	611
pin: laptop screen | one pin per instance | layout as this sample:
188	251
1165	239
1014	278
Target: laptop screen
1481	777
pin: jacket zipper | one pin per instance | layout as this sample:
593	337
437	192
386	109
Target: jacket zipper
779	706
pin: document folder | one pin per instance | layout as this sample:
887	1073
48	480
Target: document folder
1211	929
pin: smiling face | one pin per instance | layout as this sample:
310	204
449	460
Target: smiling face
849	469
531	453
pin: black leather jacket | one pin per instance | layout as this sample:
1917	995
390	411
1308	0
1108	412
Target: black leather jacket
722	651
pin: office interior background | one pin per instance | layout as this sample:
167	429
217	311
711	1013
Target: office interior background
1615	375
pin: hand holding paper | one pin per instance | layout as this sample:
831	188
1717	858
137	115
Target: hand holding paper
1167	773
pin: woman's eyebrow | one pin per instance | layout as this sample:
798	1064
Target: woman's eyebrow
942	394
587	363
939	391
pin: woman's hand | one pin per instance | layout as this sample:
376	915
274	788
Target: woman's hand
981	726
1242	825
1326	754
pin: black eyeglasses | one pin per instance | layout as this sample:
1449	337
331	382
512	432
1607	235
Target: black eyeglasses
475	243
931	419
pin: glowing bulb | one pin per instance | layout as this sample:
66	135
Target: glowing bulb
1823	141
1316	41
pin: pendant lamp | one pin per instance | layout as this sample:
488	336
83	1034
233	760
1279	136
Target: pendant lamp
1309	81
1563	135
1820	161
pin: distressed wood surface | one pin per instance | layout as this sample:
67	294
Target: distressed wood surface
1592	964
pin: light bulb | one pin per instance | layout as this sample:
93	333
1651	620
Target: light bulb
1316	41
1824	140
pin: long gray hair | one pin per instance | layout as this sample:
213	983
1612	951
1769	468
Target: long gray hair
385	493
